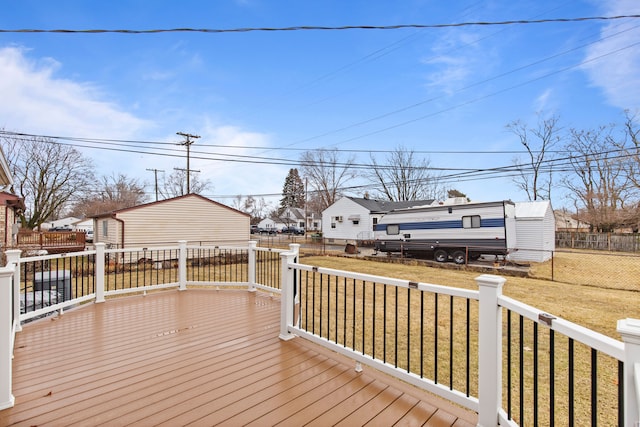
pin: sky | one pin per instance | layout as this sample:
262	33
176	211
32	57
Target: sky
259	99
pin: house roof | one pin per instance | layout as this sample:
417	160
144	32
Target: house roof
145	205
298	213
384	206
12	200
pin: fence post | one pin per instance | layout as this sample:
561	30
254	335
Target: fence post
252	265
182	265
295	248
6	336
286	296
13	257
99	272
629	329
489	349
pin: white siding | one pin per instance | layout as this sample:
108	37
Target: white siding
347	229
535	228
191	218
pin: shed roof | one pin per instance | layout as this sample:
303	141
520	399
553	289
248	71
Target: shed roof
532	209
146	205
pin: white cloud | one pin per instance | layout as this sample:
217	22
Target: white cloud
456	59
35	101
613	63
232	178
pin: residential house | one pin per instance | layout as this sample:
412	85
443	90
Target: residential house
565	221
67	223
10	208
272	224
191	217
293	217
352	218
12	205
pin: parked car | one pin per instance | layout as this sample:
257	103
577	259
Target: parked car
88	236
255	229
293	230
268	231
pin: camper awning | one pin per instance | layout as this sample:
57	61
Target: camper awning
354	218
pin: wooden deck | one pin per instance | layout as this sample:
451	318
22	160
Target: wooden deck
199	357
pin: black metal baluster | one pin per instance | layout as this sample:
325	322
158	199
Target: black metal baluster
468	349
451	342
594	387
408	330
535	373
552	375
435	339
521	373
571	384
373	336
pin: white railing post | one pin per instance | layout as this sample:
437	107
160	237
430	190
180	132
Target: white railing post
629	329
99	272
182	265
252	265
489	350
295	248
13	258
6	336
286	296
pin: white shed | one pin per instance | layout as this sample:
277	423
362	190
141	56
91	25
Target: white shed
535	231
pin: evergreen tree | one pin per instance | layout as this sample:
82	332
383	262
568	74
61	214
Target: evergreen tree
293	191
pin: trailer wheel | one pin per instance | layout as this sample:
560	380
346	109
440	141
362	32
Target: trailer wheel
459	257
441	255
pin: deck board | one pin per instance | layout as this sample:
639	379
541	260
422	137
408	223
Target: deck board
199	357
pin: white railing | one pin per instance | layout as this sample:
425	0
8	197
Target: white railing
491	304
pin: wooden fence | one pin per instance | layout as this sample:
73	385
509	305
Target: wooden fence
598	241
51	241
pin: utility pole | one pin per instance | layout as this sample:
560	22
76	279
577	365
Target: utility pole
155	172
188	143
188	172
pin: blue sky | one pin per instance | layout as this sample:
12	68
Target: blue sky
274	94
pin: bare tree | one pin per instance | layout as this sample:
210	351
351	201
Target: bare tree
326	173
111	193
47	175
257	208
600	183
535	177
176	184
404	177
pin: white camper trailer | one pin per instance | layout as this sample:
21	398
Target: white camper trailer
458	232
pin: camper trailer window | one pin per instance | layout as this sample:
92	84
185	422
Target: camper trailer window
472	221
393	229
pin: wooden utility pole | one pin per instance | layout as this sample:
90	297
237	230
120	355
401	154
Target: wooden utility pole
188	143
155	172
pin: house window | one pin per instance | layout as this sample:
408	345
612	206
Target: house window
393	229
105	228
472	221
356	222
333	225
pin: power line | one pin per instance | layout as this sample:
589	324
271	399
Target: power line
323	28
